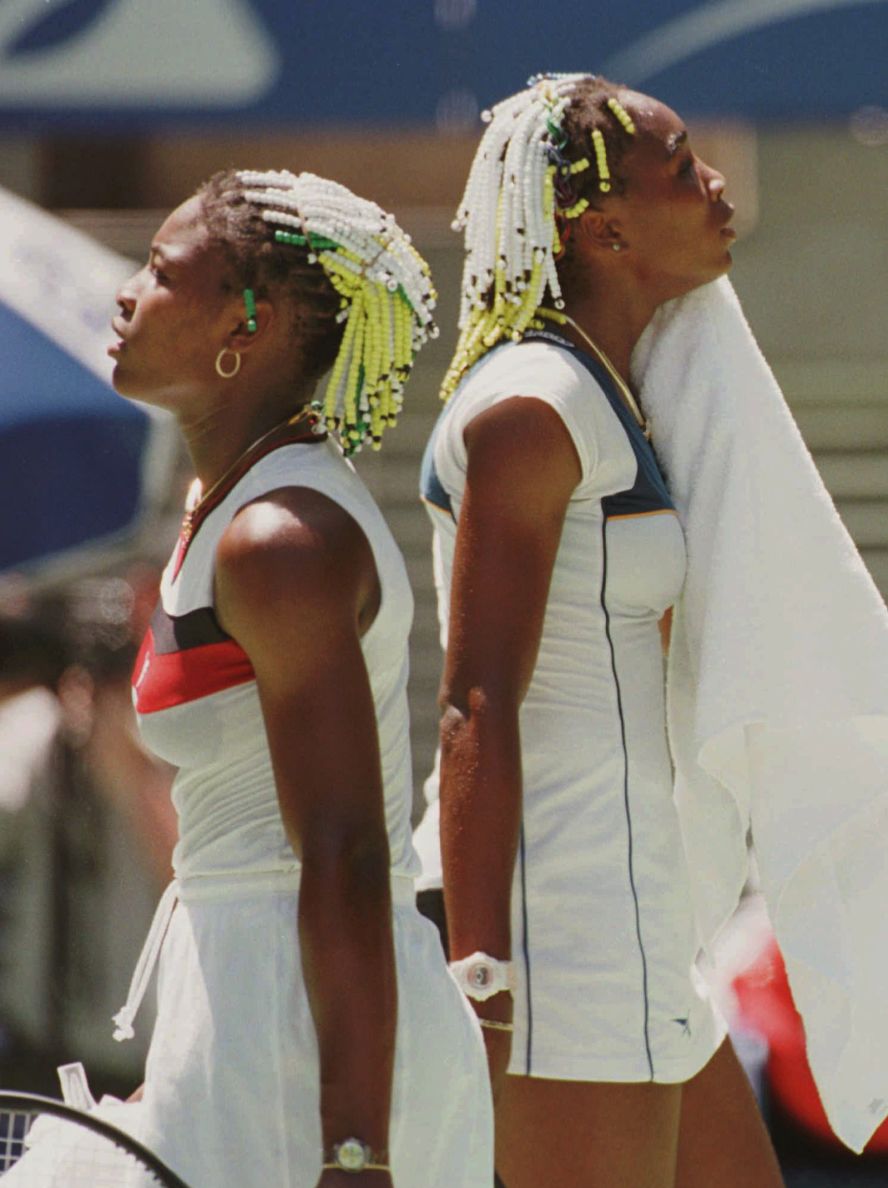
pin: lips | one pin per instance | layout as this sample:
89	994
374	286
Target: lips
117	347
726	230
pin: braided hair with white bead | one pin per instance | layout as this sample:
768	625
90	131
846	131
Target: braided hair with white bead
361	293
547	155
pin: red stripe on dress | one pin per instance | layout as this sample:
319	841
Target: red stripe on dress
163	681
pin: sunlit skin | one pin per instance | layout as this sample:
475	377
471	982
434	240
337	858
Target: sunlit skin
176	313
174	317
671	225
295	584
671	228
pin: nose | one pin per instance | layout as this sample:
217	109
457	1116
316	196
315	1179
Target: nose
127	293
715	184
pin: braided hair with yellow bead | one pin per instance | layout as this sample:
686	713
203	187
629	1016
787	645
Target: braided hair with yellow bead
362	295
547	155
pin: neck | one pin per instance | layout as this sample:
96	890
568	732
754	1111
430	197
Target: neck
614	325
221	422
218	439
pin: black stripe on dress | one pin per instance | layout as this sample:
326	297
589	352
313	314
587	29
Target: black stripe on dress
610	641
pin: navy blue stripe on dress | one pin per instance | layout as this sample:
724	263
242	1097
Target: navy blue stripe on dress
525	942
630	856
649	492
180	633
431	489
647	495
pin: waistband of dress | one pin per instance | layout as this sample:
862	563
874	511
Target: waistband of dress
216	886
234	884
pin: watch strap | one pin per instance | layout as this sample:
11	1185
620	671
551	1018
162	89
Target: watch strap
480	976
353	1155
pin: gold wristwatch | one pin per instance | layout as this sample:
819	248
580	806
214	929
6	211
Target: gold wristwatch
351	1155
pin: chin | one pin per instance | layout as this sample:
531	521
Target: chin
722	268
124	386
130	389
119	381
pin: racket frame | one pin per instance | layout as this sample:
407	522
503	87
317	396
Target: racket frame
12	1102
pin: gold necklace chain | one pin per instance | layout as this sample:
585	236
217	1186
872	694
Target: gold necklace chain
197	498
623	388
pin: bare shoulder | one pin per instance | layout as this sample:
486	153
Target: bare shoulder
525	438
292	547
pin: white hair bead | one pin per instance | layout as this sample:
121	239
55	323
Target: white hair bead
507	216
384	283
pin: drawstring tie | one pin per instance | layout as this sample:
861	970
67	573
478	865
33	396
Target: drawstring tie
146	963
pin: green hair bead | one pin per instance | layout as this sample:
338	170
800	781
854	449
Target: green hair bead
383	286
250	306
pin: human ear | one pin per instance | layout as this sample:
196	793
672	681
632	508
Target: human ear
601	232
252	322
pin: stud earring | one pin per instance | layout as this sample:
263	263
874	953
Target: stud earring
617	247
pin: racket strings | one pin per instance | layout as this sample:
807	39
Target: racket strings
14	1126
41	1151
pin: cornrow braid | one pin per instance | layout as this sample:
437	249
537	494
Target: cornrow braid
547	155
363	295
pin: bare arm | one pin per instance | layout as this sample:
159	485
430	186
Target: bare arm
666	630
522	470
296	585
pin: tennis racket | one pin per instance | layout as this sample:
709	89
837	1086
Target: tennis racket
47	1144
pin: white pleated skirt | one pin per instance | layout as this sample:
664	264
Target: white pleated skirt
231	1090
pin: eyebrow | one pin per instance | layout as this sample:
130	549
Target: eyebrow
676	141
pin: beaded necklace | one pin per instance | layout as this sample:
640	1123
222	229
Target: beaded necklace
561	318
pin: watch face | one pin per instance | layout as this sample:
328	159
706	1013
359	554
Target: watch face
351	1155
479	976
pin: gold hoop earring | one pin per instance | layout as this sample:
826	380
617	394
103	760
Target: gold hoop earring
237	362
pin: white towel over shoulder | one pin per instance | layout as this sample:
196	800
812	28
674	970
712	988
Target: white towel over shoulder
777	690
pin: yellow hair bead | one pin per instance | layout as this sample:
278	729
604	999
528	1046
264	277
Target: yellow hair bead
622	115
574	212
511	217
601	160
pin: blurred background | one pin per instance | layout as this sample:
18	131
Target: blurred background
111	112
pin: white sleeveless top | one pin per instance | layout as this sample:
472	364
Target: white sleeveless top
620	565
235	1037
603	935
198	704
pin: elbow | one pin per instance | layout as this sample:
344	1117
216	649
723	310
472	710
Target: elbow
355	858
475	711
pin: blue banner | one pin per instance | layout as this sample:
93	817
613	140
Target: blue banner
149	64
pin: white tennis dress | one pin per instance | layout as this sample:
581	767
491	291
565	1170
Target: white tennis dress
602	927
231	1087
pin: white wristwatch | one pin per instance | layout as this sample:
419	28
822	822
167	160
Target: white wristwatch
480	976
